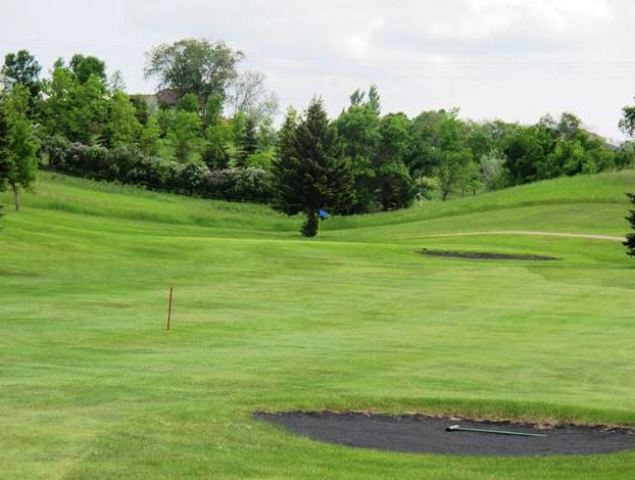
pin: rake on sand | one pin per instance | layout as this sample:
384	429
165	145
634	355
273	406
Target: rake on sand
458	428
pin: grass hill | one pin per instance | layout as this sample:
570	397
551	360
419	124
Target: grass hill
94	387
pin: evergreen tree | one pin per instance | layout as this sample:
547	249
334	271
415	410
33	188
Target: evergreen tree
247	143
286	135
630	238
311	172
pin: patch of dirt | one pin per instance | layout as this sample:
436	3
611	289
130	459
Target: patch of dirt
424	434
484	255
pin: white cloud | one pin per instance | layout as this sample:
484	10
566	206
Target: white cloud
514	59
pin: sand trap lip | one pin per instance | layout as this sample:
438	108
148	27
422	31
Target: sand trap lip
485	255
424	434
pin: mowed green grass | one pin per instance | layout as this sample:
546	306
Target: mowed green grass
93	387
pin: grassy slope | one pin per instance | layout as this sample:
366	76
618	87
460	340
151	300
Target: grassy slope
92	387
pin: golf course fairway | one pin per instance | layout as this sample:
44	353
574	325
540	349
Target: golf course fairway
93	386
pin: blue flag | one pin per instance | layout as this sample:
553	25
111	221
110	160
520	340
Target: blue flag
323	214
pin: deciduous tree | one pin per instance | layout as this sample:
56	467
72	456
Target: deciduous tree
358	128
493	173
18	143
627	123
247	94
193	66
24	69
123	126
84	66
630	238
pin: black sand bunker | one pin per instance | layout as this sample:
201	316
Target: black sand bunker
484	255
417	433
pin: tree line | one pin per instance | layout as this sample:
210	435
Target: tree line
210	132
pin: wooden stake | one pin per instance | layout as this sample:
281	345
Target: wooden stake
167	327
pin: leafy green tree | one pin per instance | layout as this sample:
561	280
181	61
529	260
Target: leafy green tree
394	185
142	109
569	125
150	135
493	172
24	69
18	143
194	66
526	150
216	154
423	155
625	156
453	159
630	238
77	111
311	172
123	126
5	162
188	103
358	128
580	152
184	132
396	189
569	157
627	123
262	159
182	126
218	135
395	139
83	67
450	170
247	94
469	178
479	139
213	111
117	82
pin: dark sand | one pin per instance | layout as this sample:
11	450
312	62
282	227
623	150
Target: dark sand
484	255
417	433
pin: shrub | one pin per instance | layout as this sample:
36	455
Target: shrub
128	164
54	149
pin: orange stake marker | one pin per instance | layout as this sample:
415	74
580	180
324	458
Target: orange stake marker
167	327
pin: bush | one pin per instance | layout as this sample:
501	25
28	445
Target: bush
240	184
54	149
190	179
396	187
251	184
128	164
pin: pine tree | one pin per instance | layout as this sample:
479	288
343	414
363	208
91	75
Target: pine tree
310	172
630	238
247	143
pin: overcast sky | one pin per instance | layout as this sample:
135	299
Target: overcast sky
509	59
